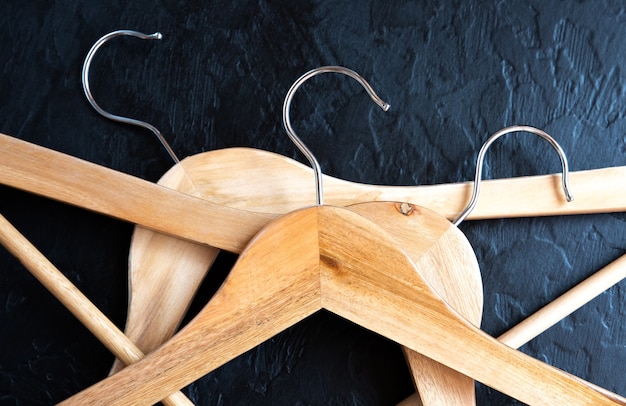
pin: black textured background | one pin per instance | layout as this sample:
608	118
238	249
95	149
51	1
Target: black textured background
454	73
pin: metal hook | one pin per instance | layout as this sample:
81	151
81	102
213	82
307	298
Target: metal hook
92	101
291	133
481	158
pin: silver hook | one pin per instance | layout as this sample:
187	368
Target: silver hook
481	158
291	133
92	101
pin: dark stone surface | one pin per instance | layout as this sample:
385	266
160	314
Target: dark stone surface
454	72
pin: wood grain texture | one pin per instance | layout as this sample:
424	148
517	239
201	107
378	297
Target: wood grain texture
75	301
456	278
165	272
80	183
56	192
245	312
454	73
246	178
61	177
278	184
332	258
556	311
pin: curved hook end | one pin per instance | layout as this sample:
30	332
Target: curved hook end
287	121
568	195
92	101
384	105
481	156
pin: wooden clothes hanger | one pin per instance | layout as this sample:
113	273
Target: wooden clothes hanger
253	216
119	344
164	274
328	193
167	249
145	302
150	270
319	193
123	348
69	179
12	240
147	244
230	176
331	258
140	324
99	196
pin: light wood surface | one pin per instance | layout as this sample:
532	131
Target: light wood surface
77	182
557	310
165	273
334	259
458	282
565	304
61	177
277	184
74	300
219	175
89	186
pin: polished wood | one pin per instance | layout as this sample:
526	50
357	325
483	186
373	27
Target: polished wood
247	179
278	184
557	310
51	181
80	183
331	258
74	181
75	301
165	273
457	280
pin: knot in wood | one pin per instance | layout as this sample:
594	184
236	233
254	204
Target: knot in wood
406	208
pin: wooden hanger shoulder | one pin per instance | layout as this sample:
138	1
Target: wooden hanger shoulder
456	278
83	184
246	177
71	180
165	273
332	258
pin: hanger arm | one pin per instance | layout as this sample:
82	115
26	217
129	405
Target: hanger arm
241	316
77	182
74	181
565	304
75	301
331	258
557	310
246	177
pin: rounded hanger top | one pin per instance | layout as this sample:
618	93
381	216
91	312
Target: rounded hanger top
292	134
481	158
